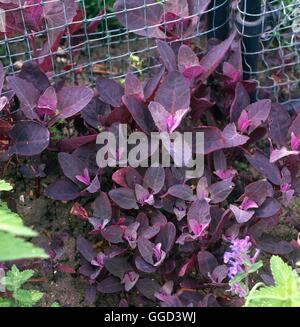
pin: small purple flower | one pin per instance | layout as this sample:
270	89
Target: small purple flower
85	177
238	257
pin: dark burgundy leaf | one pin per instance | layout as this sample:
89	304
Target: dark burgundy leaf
240	102
148	287
263	165
152	84
102	207
110	285
85	248
29	138
117	266
63	190
71	166
167	237
124	198
110	91
113	234
154	179
181	191
143	266
206	263
268	209
273	245
221	190
280	122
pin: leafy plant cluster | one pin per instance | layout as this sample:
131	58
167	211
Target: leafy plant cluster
284	291
163	236
12	246
17	296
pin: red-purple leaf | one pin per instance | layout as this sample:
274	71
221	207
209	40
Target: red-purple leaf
232	137
173	94
133	86
241	216
131	14
167	55
221	190
240	102
214	57
213	139
139	112
26	93
72	100
258	113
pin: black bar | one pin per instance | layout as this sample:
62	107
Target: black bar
218	19
252	9
250	25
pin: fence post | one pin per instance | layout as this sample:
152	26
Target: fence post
218	19
249	23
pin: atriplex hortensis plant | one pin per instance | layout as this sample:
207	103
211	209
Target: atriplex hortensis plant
163	236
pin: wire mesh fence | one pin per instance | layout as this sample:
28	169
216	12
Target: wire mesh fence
82	39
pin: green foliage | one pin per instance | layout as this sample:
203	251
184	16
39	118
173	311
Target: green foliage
285	292
12	246
13	282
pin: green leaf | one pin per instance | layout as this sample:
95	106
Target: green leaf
13	248
4	186
256	266
55	305
5	303
11	222
15	278
285	292
27	298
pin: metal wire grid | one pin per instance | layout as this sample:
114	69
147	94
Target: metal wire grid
106	50
277	71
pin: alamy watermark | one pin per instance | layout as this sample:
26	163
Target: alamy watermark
137	149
